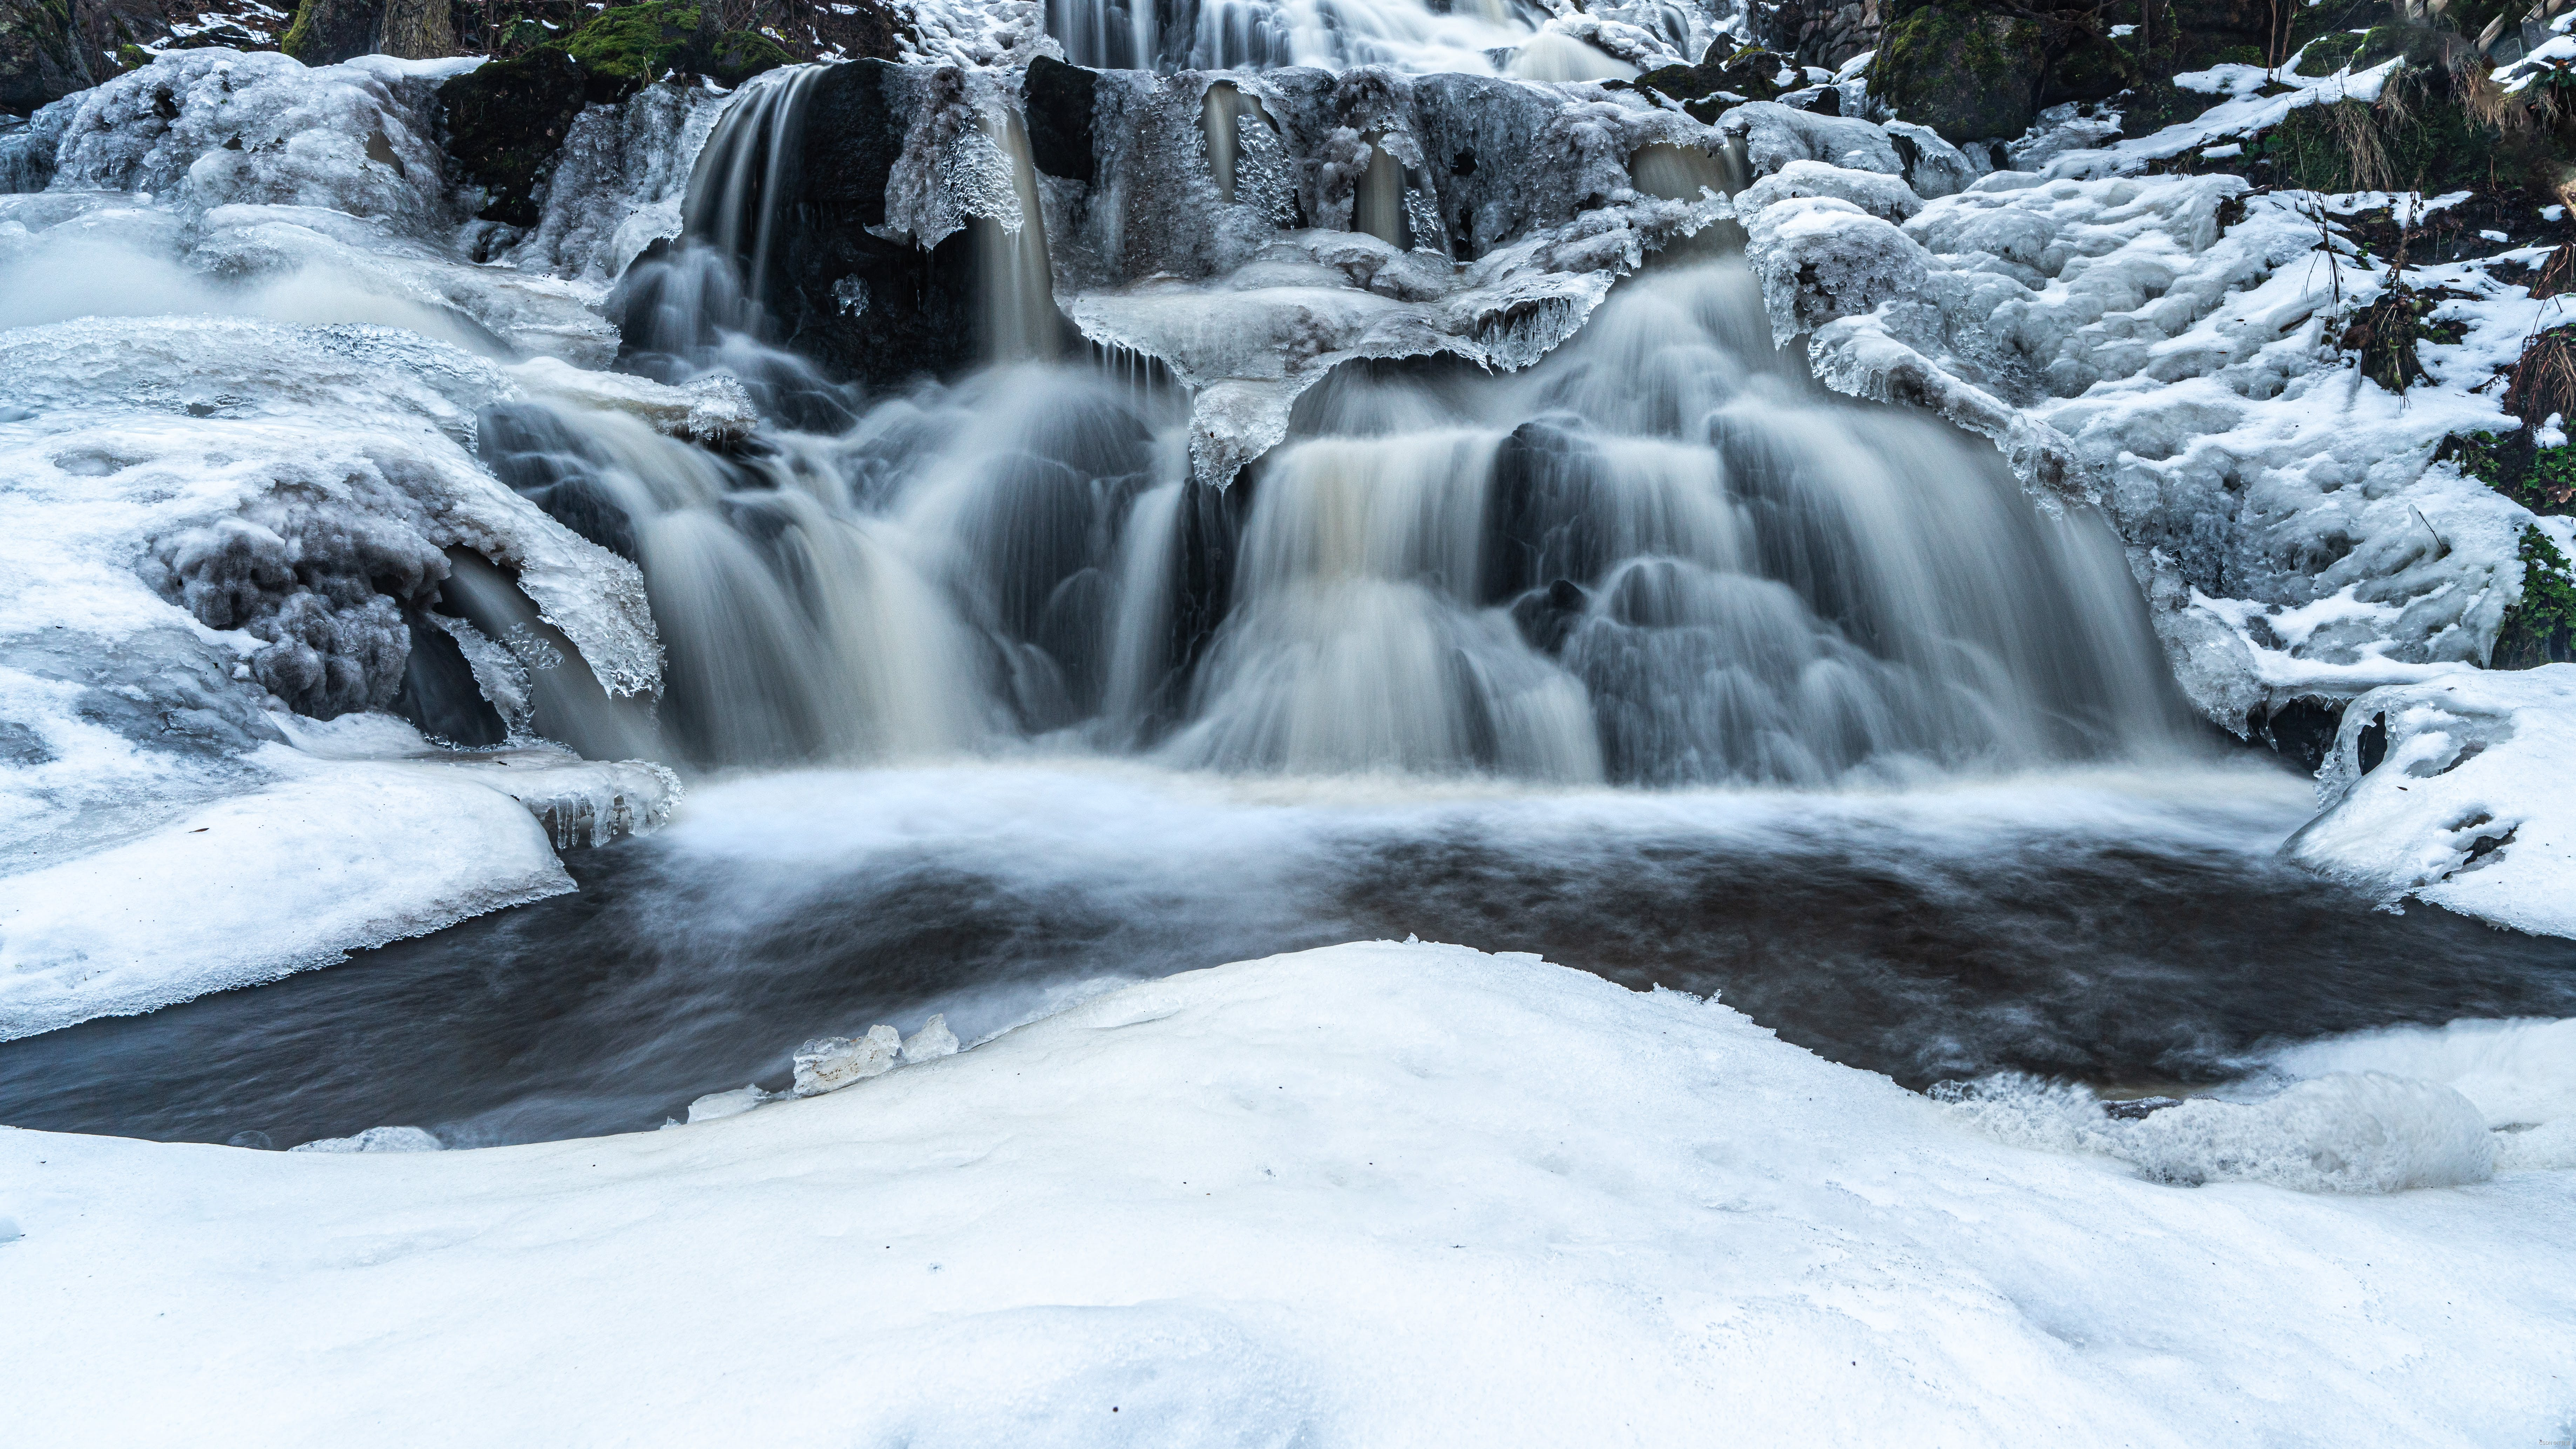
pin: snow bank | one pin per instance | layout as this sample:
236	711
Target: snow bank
1372	1194
2457	791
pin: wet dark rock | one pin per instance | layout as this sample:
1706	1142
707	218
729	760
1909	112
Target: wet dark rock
1059	118
1816	32
439	695
41	57
2138	1109
2302	731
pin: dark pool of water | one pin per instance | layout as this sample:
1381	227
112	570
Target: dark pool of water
1925	951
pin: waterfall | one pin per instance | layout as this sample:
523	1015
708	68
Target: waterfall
1171	35
1018	284
1661	556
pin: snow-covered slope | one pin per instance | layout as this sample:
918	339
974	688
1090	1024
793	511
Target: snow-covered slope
1374	1194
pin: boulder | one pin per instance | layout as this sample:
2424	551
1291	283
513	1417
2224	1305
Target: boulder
41	57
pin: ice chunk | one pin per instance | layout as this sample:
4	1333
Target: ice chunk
716	1106
377	1139
933	1040
829	1063
1882	196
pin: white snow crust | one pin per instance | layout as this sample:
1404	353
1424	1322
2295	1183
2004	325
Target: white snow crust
2469	808
1371	1194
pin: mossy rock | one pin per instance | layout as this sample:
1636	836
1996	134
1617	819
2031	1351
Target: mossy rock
1752	73
2327	54
1967	75
42	59
2087	67
2540	628
2352	146
506	121
326	32
635	45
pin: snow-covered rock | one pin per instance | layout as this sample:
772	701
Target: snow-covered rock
2460	791
1371	1194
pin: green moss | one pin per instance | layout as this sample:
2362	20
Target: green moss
634	45
2328	53
132	57
2438	146
2540	628
2540	479
1968	76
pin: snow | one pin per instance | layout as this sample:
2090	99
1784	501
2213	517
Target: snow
248	888
1371	1194
2467	808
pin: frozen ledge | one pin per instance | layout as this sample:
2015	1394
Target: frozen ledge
339	856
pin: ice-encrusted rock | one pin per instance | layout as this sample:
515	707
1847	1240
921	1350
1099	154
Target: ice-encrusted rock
1820	258
933	1041
712	409
2121	344
617	188
213	127
1886	197
1773	135
2460	791
829	1063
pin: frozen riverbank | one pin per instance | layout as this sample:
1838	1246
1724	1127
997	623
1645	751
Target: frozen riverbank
1366	1195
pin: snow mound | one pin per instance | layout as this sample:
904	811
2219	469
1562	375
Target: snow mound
2451	791
1370	1194
247	888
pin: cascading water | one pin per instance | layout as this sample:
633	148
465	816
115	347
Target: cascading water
1661	556
1261	34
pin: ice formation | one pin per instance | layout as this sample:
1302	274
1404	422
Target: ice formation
1369	1194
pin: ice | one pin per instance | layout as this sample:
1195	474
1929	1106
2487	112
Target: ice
1369	1194
206	128
716	1106
1503	260
2364	1132
829	1063
377	1139
1821	257
934	1040
2120	345
2462	803
618	185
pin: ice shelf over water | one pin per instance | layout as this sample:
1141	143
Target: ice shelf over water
1373	1194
